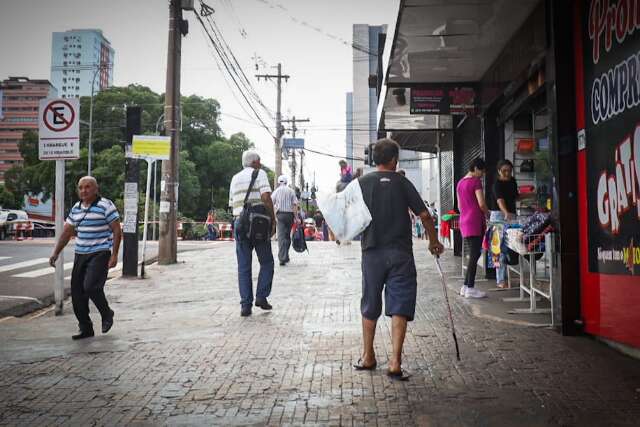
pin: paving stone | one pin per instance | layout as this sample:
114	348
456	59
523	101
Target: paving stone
180	354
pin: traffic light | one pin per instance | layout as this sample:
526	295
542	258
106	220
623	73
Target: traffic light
368	155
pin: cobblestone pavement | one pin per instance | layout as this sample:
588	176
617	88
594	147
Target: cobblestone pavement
180	354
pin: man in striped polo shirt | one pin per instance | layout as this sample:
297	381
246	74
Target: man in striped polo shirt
260	194
95	222
285	204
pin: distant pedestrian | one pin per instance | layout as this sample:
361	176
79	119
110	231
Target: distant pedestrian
285	205
250	187
387	254
346	172
473	211
346	175
95	223
211	229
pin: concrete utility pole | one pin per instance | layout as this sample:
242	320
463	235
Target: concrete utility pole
277	139
294	129
168	244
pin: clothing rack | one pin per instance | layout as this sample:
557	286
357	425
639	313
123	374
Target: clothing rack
538	286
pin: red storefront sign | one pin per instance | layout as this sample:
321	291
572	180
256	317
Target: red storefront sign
607	45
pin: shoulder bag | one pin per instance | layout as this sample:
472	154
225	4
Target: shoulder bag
255	224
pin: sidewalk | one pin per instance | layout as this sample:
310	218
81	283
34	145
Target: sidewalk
180	354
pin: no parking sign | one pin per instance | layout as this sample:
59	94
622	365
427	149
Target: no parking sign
59	130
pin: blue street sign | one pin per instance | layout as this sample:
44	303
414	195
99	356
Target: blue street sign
293	143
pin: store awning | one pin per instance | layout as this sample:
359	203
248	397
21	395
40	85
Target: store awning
442	43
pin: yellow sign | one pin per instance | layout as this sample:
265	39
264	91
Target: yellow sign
151	146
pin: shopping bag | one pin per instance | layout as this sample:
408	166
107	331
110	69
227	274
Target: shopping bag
346	213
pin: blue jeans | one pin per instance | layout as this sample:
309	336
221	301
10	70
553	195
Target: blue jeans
244	252
501	272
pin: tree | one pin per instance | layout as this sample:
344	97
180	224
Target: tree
8	200
32	176
208	160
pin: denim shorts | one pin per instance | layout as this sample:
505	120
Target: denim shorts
394	272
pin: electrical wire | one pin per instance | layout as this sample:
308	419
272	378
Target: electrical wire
332	155
234	63
319	30
221	55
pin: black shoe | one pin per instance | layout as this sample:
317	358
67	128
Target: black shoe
245	311
83	334
107	323
283	263
263	304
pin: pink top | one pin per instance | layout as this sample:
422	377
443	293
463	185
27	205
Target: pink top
346	170
471	216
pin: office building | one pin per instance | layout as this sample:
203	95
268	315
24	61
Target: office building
80	59
19	101
349	135
368	41
364	100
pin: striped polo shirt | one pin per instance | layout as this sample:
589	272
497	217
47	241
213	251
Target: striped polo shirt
284	199
239	186
93	225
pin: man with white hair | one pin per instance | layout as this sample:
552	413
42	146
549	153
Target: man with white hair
258	194
95	222
285	204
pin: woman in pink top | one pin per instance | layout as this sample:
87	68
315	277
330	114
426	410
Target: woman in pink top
473	211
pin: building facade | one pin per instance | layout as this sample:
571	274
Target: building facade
349	134
80	59
19	99
364	100
553	87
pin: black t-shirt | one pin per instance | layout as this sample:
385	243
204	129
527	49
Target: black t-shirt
389	196
506	190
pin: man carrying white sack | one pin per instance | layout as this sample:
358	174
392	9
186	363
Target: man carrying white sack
387	254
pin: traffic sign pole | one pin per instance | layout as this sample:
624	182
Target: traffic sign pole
59	139
150	163
58	283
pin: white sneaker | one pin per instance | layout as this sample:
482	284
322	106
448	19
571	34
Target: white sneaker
474	293
463	290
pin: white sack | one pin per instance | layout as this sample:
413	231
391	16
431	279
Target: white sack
346	213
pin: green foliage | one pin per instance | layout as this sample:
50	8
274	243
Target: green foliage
8	200
33	176
208	160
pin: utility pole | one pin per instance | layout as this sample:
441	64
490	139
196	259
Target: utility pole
277	138
294	129
168	244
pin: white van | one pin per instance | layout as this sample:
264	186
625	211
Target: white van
7	218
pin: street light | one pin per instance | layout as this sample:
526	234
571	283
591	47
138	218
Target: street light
99	67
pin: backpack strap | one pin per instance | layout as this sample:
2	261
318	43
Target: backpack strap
254	175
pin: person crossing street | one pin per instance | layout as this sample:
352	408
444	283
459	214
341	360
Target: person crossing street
285	204
95	222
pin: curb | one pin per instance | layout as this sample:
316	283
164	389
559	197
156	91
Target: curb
28	307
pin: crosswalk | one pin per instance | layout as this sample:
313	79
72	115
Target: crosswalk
41	269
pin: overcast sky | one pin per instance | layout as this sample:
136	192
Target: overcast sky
320	66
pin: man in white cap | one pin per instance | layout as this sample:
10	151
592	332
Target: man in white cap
285	204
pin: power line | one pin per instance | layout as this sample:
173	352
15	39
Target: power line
231	74
303	23
233	61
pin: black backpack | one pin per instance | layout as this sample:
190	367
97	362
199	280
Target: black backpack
297	241
255	223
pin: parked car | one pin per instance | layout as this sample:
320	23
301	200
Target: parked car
7	219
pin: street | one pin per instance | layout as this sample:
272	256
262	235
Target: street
25	274
180	354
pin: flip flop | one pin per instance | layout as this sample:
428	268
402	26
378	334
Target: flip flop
360	367
399	376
